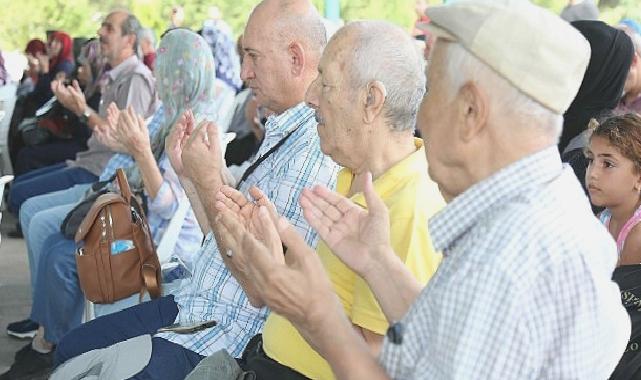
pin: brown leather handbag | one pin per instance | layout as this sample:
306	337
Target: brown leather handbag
107	276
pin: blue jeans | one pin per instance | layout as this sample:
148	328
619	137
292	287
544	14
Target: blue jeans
41	216
58	301
168	360
46	180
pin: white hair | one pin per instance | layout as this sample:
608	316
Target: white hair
462	67
384	52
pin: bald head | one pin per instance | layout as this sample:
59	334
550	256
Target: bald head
292	20
282	44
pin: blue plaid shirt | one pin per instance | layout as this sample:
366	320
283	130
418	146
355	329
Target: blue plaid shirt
122	160
212	293
524	289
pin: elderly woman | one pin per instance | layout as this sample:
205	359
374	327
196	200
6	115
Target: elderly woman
58	299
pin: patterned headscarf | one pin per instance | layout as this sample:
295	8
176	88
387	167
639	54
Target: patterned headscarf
223	47
185	79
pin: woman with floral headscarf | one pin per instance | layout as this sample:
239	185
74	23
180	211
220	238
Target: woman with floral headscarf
185	76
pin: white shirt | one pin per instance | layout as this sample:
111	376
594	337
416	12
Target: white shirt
524	290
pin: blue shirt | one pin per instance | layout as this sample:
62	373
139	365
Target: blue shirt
212	293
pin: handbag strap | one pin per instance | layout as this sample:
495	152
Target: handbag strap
262	158
123	184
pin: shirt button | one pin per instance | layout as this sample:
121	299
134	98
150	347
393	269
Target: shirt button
395	333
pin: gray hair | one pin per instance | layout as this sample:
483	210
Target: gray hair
147	34
130	26
385	53
462	67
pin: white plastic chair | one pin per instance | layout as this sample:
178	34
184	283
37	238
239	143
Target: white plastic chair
8	103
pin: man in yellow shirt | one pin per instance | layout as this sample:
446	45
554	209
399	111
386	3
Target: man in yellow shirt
369	86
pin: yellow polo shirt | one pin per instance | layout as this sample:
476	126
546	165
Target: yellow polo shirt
412	198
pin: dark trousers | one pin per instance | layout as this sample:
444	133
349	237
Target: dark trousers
168	360
39	156
46	180
255	360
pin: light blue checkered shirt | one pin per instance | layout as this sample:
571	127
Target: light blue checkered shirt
212	293
122	160
524	289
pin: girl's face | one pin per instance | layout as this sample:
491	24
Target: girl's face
611	178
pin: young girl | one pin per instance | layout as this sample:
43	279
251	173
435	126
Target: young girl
613	179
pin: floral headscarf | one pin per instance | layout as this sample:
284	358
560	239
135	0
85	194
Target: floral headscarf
223	47
185	79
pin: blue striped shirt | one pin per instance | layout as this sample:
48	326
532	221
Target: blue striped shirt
523	291
212	293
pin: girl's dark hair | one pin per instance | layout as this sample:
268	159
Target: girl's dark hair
622	132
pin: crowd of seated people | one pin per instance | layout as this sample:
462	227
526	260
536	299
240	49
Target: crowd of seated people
326	240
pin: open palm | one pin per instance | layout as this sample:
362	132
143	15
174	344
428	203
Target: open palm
353	234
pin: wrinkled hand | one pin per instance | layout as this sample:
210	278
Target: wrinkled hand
201	155
131	131
237	214
293	285
177	139
106	132
230	199
353	234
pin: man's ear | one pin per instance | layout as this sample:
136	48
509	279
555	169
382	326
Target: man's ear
373	99
474	111
296	53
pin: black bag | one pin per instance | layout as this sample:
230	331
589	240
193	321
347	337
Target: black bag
628	277
73	219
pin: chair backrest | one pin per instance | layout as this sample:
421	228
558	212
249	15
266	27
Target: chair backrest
170	237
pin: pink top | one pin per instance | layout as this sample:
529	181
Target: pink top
605	217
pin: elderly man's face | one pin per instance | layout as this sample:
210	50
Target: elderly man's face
437	120
111	39
265	66
335	101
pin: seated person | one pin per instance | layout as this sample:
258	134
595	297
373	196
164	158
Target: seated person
129	83
281	60
70	134
372	137
58	300
613	180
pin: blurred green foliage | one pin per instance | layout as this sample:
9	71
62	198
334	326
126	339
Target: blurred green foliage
21	20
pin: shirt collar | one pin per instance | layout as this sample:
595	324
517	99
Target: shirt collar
468	209
124	65
389	182
291	119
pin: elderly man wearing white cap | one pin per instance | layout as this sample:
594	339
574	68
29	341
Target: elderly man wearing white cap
524	289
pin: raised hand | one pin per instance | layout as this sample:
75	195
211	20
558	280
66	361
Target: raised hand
78	103
202	156
132	132
106	132
230	199
353	234
177	139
